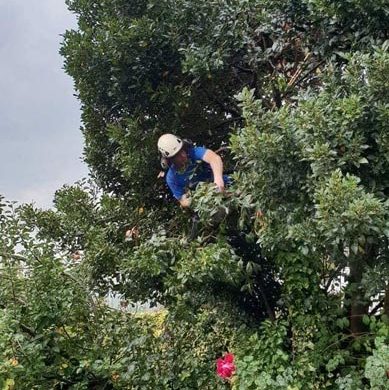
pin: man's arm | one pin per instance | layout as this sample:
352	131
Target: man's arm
177	190
216	163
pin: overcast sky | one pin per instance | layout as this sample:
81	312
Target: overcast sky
40	139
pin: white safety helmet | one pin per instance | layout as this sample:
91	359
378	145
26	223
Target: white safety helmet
169	145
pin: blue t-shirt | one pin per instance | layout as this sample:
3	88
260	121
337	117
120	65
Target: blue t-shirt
180	181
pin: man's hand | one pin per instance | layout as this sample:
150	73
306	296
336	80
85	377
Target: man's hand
184	201
219	183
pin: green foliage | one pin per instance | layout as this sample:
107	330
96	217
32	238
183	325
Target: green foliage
160	269
257	368
55	332
290	178
210	205
376	369
346	214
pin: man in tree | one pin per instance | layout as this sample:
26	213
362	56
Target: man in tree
185	171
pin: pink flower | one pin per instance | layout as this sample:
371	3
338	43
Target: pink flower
225	366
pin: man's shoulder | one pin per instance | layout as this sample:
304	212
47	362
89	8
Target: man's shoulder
197	152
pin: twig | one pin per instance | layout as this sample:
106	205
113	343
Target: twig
299	70
309	72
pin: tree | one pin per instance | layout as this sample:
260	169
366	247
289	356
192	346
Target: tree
289	268
321	179
142	68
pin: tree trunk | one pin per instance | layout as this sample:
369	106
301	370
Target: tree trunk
358	306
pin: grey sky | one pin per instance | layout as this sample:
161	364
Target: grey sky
40	141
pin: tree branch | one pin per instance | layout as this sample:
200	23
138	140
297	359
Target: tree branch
379	305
